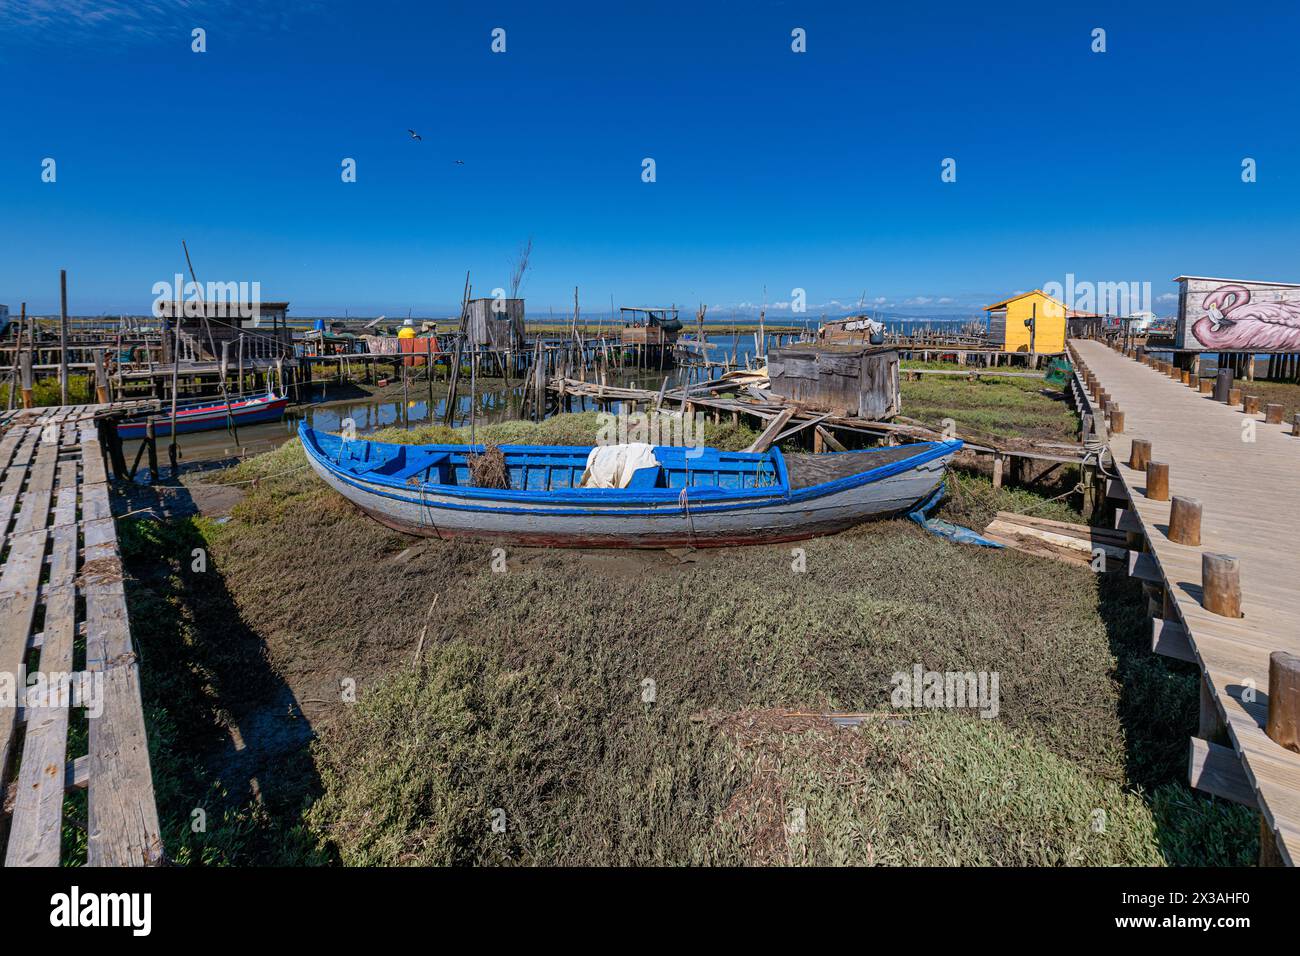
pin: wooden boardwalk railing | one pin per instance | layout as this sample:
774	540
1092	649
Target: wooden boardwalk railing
1245	474
63	622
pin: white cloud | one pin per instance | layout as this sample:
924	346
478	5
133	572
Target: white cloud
80	20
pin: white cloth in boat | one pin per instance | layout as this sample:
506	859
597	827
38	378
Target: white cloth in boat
612	466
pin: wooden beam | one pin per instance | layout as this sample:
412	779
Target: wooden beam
800	426
764	441
1127	520
1169	638
1143	567
1217	770
830	439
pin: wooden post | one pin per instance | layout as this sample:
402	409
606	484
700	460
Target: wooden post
101	378
1116	419
25	370
1221	584
151	443
1283	726
1186	376
1234	396
1185	521
1273	414
63	336
1158	481
1139	454
1207	386
428	370
1250	404
1209	726
1295	425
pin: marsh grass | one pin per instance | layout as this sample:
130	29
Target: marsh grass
527	705
994	408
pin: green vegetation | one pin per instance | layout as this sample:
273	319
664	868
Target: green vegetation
992	408
45	391
1286	394
202	670
523	733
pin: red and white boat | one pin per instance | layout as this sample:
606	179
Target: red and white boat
207	416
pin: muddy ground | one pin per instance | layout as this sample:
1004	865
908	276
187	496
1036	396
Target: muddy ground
336	692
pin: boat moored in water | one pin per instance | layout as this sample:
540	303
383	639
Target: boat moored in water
206	416
691	497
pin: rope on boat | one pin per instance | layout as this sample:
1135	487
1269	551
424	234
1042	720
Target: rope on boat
684	500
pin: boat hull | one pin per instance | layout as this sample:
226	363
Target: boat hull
788	516
208	418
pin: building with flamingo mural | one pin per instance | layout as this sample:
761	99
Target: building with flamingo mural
1237	315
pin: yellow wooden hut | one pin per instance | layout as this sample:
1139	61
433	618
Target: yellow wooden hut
1029	322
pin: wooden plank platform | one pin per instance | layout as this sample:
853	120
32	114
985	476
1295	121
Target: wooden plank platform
61	580
1247	490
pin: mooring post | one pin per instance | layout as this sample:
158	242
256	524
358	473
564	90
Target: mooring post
1158	481
25	369
101	378
1116	419
151	443
63	336
1283	726
1185	521
1139	454
1221	584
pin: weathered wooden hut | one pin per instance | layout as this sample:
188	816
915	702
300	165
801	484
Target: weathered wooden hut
260	329
496	323
649	326
859	381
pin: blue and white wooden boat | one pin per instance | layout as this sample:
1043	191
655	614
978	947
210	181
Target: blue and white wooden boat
206	416
695	498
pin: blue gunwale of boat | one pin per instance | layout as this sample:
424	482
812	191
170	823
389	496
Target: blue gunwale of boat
701	499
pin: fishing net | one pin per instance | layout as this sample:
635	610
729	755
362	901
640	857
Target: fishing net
488	470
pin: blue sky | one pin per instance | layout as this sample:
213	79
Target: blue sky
818	171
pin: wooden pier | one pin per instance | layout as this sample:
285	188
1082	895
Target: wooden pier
1236	474
720	397
63	616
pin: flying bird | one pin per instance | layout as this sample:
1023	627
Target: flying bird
414	134
460	162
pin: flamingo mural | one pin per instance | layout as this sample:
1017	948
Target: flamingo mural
1233	322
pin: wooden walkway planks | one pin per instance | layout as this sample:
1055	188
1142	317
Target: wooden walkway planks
55	509
1247	490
